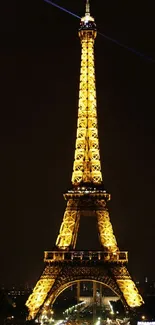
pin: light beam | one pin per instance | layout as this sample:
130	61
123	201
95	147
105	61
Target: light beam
103	35
61	8
126	47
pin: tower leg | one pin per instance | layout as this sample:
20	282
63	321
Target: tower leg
40	292
69	228
127	286
107	238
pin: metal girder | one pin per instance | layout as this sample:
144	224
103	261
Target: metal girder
107	238
87	165
40	291
127	286
69	228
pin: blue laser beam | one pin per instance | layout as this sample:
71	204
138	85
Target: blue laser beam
63	9
103	35
126	47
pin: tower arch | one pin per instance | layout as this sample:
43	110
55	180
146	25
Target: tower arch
67	282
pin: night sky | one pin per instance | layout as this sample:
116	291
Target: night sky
40	64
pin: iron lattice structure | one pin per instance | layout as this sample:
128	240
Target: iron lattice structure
87	197
87	165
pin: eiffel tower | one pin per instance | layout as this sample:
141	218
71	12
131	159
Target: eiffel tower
65	265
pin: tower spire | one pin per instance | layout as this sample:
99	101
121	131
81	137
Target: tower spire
87	8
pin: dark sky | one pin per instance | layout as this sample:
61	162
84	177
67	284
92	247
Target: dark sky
39	64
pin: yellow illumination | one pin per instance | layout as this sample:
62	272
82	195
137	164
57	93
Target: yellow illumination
107	237
40	291
127	286
87	165
130	292
69	228
85	199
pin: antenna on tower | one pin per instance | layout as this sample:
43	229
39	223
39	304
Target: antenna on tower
87	8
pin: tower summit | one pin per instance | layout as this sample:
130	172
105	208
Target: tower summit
87	8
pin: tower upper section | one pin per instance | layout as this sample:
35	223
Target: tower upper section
87	165
87	24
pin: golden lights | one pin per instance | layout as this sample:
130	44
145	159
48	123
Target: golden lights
86	170
87	165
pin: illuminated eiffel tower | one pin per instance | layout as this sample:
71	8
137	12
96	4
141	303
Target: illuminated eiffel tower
87	197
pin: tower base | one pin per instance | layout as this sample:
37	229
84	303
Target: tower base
64	269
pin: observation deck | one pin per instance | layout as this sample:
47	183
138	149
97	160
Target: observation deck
88	189
98	257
